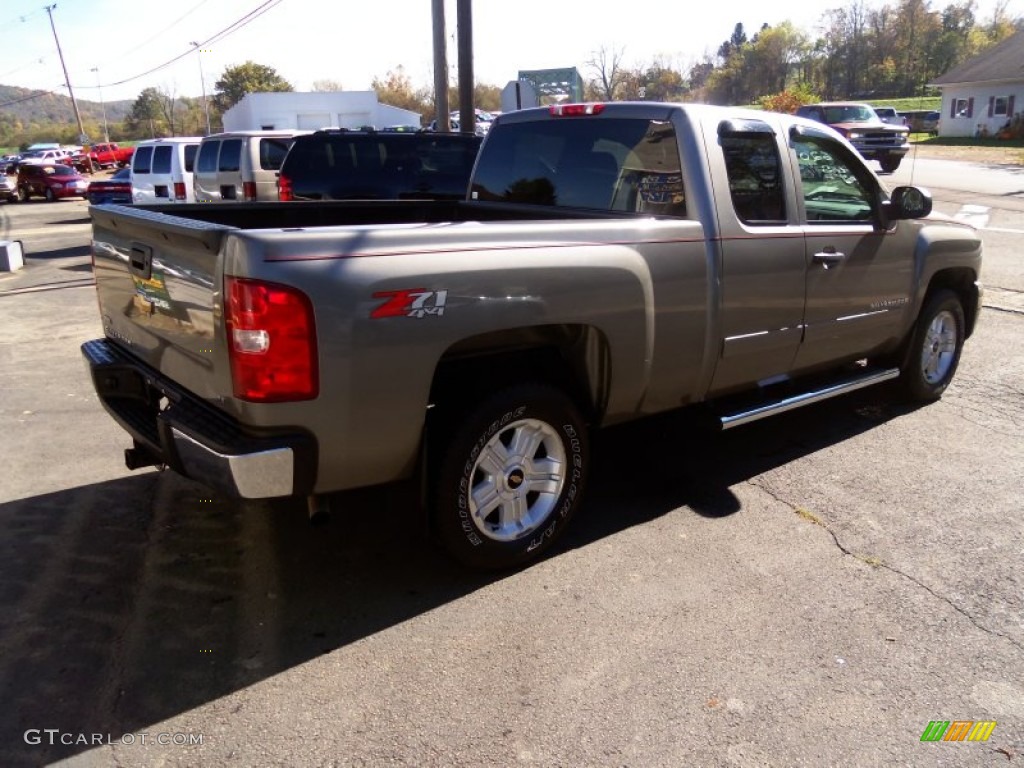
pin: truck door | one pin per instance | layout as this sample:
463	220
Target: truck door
763	267
859	274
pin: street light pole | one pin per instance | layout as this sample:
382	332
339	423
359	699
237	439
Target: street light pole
106	133
202	81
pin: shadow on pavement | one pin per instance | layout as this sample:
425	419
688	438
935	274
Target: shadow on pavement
128	602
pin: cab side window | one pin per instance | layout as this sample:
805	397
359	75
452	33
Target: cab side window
831	183
755	178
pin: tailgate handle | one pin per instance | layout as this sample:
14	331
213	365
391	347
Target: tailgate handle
141	261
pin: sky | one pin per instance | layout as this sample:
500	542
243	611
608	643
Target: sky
115	48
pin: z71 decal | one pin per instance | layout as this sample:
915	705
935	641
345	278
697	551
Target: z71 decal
412	302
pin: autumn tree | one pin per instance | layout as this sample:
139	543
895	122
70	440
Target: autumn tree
609	73
238	81
396	90
327	86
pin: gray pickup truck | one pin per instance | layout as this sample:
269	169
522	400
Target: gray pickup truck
610	261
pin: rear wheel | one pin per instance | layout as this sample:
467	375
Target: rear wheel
934	350
509	476
23	194
50	197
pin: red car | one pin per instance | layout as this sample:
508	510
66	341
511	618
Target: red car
50	181
116	189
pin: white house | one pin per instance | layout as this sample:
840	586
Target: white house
981	95
309	111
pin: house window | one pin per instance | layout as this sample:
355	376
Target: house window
999	106
961	108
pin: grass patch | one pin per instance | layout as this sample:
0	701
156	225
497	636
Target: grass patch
965	141
910	104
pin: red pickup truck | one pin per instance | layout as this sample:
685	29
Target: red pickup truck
110	155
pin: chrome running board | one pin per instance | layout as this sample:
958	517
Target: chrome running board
815	396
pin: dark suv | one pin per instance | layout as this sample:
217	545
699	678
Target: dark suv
340	164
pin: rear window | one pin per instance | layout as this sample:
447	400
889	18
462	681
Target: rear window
162	158
190	157
230	155
207	162
616	164
142	159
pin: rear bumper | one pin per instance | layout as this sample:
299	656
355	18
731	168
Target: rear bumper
174	427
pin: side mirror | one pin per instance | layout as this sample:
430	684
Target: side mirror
909	203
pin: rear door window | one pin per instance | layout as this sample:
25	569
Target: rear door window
230	155
162	158
142	160
190	157
207	162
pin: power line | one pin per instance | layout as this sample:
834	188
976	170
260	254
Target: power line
217	37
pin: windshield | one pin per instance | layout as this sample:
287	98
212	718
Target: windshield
854	113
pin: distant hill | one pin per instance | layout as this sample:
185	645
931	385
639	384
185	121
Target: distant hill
35	108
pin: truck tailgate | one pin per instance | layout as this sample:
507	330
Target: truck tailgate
158	285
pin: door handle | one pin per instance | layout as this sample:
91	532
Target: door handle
828	257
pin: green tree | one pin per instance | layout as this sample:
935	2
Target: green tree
144	117
238	81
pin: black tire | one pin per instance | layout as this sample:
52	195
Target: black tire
50	197
933	353
890	164
553	447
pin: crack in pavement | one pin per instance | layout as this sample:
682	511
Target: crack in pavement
881	564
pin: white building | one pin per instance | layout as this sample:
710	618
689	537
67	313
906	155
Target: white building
981	95
309	111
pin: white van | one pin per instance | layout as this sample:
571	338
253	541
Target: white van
241	165
162	170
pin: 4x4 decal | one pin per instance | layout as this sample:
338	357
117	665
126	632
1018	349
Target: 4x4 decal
411	302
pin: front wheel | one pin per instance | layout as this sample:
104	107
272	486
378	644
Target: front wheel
50	197
890	164
509	476
934	351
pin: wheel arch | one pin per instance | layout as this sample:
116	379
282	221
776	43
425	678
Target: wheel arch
576	358
963	282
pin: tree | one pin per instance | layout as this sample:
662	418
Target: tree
145	113
327	86
611	76
396	90
238	81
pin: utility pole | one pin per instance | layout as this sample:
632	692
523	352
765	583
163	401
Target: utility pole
106	133
202	81
82	137
440	68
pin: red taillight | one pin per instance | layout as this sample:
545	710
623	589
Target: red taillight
249	190
179	191
284	188
575	110
271	341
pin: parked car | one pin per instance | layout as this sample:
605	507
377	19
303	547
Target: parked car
340	164
162	170
50	181
9	186
116	189
45	157
240	165
858	123
890	115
